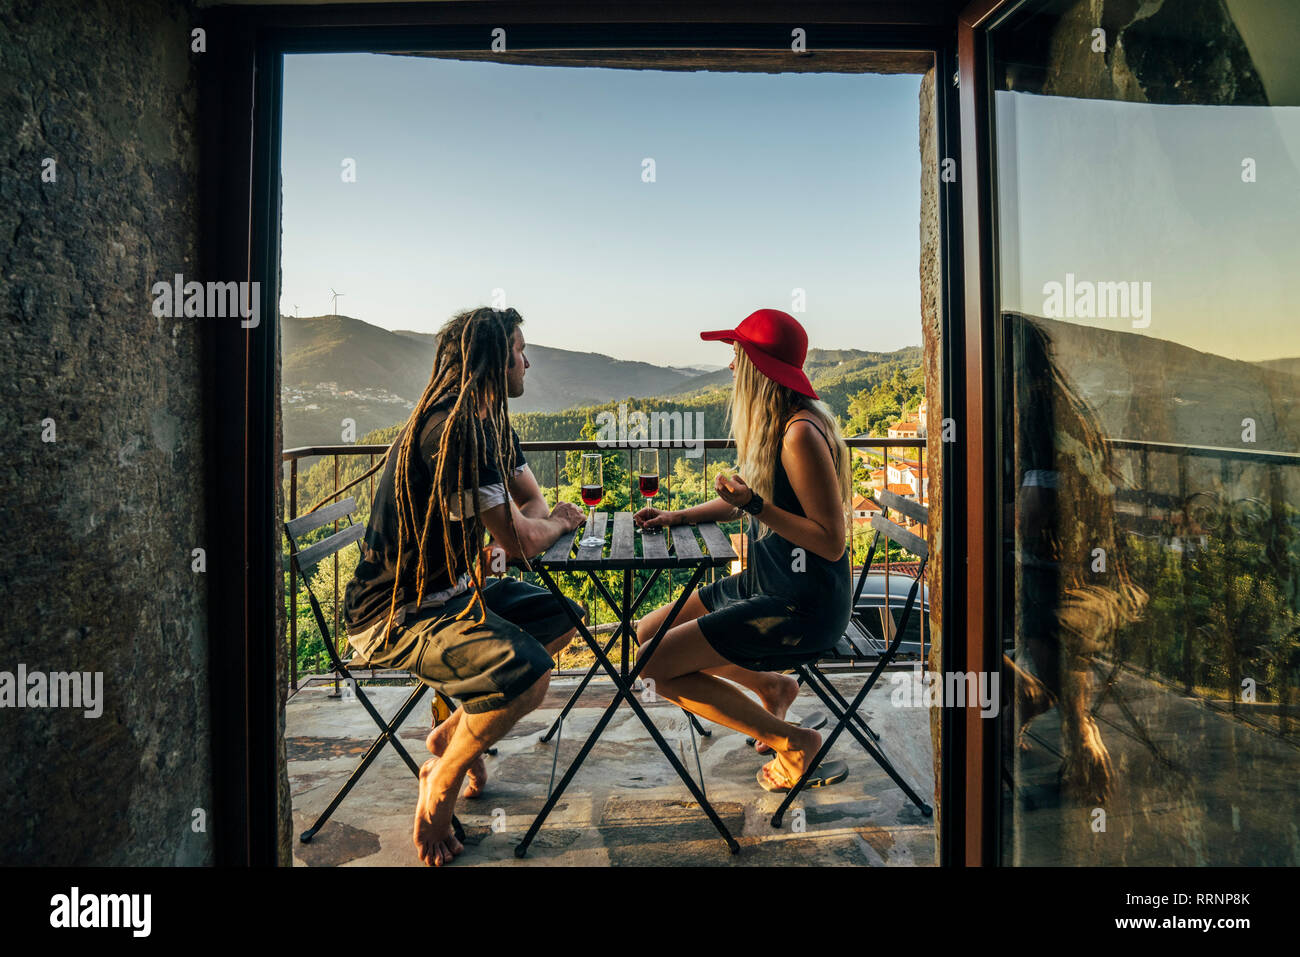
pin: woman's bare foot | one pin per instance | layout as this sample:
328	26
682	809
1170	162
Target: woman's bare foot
475	777
804	746
777	702
434	840
1032	699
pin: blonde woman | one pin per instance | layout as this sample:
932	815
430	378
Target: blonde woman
791	602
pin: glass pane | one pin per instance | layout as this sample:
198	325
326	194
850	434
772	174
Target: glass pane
1148	227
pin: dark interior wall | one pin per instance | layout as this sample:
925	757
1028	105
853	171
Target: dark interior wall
100	523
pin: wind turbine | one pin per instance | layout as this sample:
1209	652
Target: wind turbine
336	301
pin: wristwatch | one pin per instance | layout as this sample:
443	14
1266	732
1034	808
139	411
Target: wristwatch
754	505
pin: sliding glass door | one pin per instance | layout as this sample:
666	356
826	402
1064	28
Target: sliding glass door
1145	210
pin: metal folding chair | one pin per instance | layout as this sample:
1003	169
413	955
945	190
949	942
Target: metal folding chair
304	560
847	713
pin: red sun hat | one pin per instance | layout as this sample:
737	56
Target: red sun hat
775	343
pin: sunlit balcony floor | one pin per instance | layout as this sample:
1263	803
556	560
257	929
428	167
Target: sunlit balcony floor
626	806
1191	785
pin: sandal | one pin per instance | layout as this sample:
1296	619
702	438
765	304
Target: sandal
828	772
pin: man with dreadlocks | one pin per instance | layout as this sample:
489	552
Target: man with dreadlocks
418	599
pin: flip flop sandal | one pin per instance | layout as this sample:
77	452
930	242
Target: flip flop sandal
827	773
811	721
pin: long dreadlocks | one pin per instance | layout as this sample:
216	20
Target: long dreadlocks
469	369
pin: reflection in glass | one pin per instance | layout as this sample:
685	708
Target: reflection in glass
1149	349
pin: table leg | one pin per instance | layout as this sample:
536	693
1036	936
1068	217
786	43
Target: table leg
577	693
625	616
591	672
627	626
646	651
623	692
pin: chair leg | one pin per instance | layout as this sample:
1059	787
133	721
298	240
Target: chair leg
876	754
696	726
387	734
375	747
844	723
843	701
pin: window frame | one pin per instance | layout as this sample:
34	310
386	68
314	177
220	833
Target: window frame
241	94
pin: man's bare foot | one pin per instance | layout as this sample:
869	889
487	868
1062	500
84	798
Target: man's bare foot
475	777
434	841
777	702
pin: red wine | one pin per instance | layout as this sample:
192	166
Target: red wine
592	494
649	485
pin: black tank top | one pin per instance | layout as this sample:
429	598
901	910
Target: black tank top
779	567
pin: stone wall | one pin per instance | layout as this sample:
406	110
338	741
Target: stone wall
1157	51
101	521
284	797
932	341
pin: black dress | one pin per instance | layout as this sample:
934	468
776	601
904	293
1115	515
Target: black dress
787	606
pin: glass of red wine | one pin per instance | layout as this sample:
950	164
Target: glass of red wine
647	468
593	490
648	471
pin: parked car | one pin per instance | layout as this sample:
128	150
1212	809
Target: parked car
871	627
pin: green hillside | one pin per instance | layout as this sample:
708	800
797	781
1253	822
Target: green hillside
338	367
866	390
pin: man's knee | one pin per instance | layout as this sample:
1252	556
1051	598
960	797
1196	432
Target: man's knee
534	693
556	645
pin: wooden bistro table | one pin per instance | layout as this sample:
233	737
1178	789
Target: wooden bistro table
658	551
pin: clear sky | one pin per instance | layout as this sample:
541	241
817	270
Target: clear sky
477	176
1116	192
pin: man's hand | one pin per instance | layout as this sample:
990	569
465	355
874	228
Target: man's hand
651	517
494	559
568	515
732	490
529	536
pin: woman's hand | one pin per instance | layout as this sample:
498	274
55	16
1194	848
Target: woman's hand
651	517
732	490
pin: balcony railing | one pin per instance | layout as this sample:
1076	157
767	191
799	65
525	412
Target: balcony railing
886	450
1214	535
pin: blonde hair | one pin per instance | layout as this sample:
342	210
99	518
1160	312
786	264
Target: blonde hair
758	410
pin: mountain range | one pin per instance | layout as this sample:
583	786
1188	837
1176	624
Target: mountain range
339	367
1156	390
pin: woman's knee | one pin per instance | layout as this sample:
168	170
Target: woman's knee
646	627
692	609
654	677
